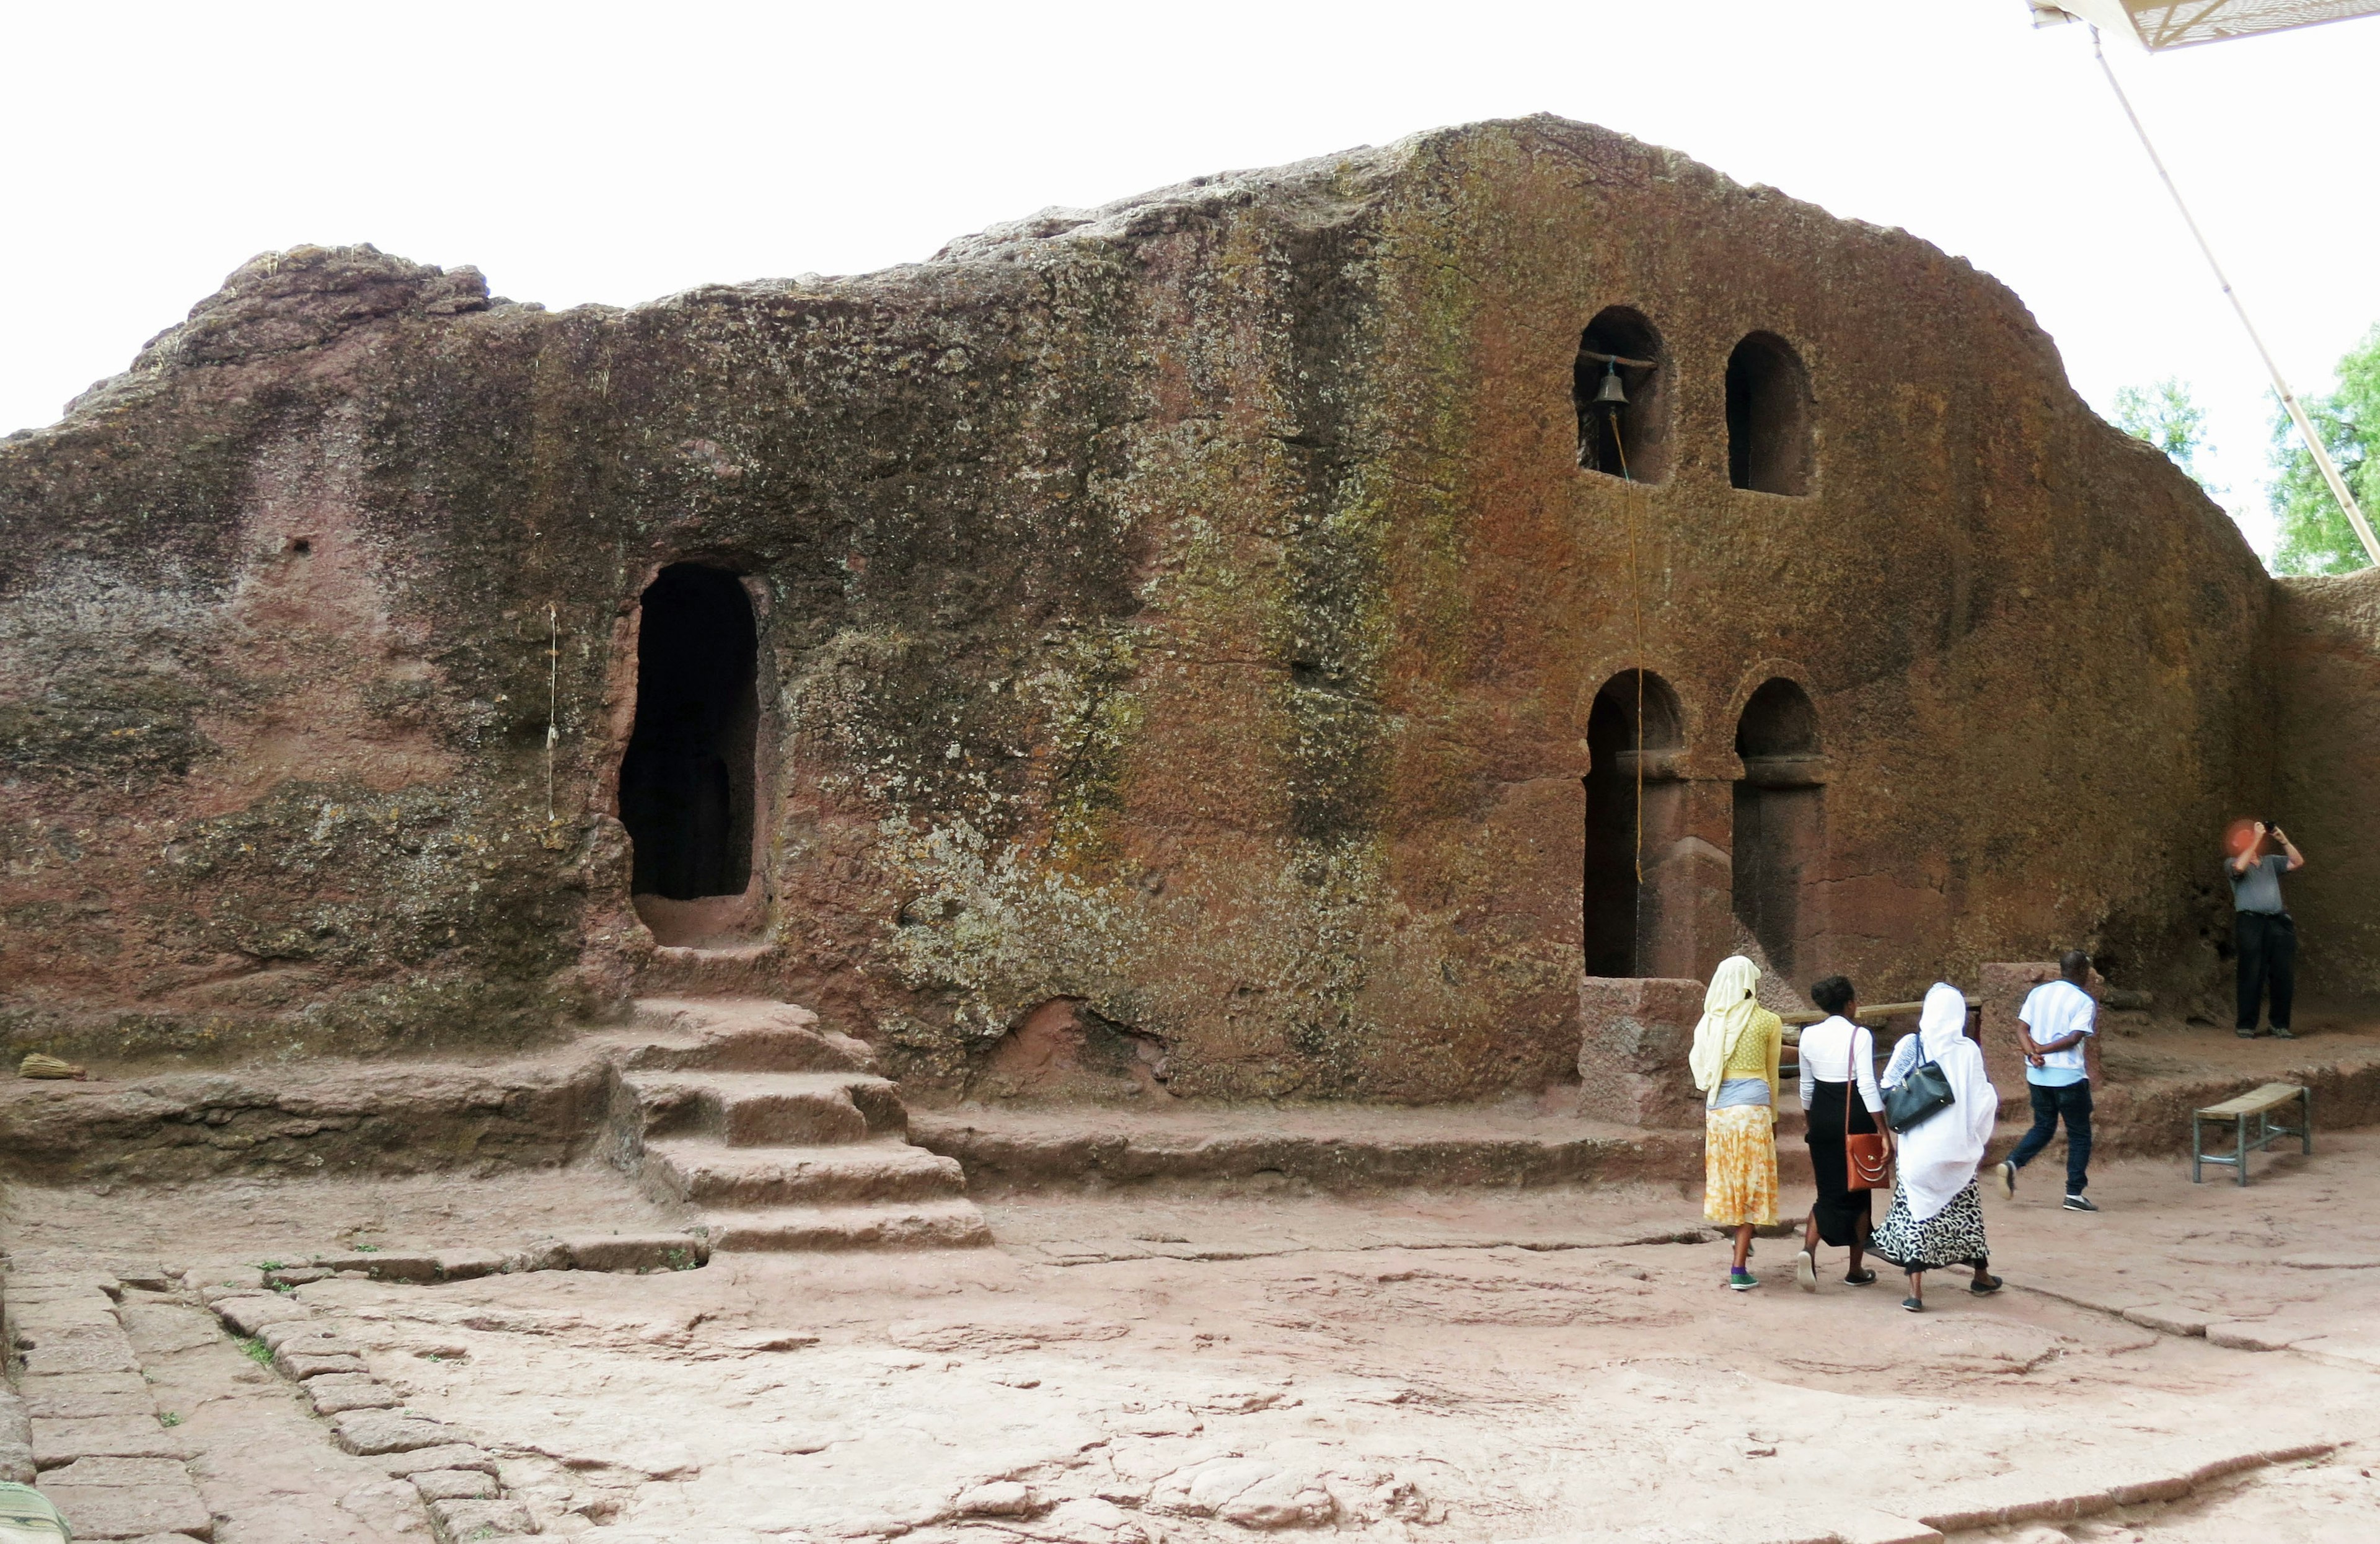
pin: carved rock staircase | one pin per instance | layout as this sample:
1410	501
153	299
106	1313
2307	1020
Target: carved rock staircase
776	1131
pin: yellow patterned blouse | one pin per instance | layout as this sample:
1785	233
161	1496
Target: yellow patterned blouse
1756	1055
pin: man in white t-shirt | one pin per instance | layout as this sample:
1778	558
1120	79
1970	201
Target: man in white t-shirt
2060	1043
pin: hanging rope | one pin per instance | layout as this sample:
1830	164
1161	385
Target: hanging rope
2289	399
552	697
1636	603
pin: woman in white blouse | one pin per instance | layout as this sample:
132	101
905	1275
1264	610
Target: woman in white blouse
1836	1054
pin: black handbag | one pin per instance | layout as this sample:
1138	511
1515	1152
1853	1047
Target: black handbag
1918	1098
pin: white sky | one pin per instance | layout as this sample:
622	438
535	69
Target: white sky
594	152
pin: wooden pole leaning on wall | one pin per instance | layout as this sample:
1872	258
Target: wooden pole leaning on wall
2314	445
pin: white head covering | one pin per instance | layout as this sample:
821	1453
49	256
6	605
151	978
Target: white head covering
1938	1159
1728	1008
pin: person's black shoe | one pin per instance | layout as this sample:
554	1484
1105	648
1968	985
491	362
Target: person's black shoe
1859	1278
1986	1285
2080	1203
1914	1305
2245	1033
2281	1032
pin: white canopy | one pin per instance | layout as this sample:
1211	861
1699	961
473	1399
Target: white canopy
2160	24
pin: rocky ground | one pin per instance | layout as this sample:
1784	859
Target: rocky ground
2193	1362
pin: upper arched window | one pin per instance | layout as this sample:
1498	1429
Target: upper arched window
1620	385
1768	428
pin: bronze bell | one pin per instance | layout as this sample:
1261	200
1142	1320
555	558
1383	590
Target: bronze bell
1609	392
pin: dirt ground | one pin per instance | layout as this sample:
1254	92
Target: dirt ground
1505	1365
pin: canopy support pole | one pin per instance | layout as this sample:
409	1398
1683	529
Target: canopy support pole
2289	399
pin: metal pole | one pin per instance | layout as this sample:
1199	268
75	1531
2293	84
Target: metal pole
2289	399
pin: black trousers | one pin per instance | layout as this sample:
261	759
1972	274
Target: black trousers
2268	953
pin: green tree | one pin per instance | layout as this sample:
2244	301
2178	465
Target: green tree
2315	537
2165	416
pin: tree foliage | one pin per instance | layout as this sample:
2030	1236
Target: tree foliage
2315	537
2164	415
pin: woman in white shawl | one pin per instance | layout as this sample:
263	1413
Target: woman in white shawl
1935	1218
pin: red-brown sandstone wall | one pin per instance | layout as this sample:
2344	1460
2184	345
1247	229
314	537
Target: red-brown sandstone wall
1192	608
2325	673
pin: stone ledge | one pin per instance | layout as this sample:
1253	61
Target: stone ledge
1343	1148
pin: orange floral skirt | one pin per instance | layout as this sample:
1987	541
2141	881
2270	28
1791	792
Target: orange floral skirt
1739	1166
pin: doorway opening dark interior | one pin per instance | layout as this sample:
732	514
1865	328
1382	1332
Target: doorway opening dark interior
687	781
1616	917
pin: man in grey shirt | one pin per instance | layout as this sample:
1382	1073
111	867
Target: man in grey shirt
2265	936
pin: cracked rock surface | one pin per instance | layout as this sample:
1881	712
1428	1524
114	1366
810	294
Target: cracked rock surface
1466	1367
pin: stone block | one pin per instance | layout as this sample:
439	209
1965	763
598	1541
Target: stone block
128	1499
546	1254
463	1265
385	1266
456	1521
144	1275
248	1316
455	1485
17	1466
57	1442
371	1432
299	1365
334	1393
2250	1335
637	1252
308	1336
81	1395
16	1419
83	1312
1635	1033
246	1282
2168	1319
94	1356
448	1455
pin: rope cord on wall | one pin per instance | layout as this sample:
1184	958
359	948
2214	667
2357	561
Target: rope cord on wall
552	696
1636	605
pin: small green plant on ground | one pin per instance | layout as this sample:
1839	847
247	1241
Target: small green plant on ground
254	1350
170	1418
680	1260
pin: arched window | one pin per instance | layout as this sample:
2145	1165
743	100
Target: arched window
1619	358
1617	919
1780	825
687	781
1768	427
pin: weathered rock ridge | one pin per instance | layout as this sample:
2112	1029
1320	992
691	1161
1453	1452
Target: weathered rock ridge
1193	610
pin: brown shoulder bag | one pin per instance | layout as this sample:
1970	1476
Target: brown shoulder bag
1867	1166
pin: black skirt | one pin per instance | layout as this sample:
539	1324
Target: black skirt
1843	1214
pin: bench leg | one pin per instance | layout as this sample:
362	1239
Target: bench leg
2240	1129
2197	1148
2305	1119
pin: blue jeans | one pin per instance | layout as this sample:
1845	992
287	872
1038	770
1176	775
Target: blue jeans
2073	1101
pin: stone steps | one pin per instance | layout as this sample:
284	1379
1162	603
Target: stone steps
733	1034
708	1174
764	1109
954	1223
778	1132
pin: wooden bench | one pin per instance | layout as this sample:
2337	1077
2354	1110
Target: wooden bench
2257	1105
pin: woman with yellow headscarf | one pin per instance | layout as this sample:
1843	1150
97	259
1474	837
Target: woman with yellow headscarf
1735	1063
